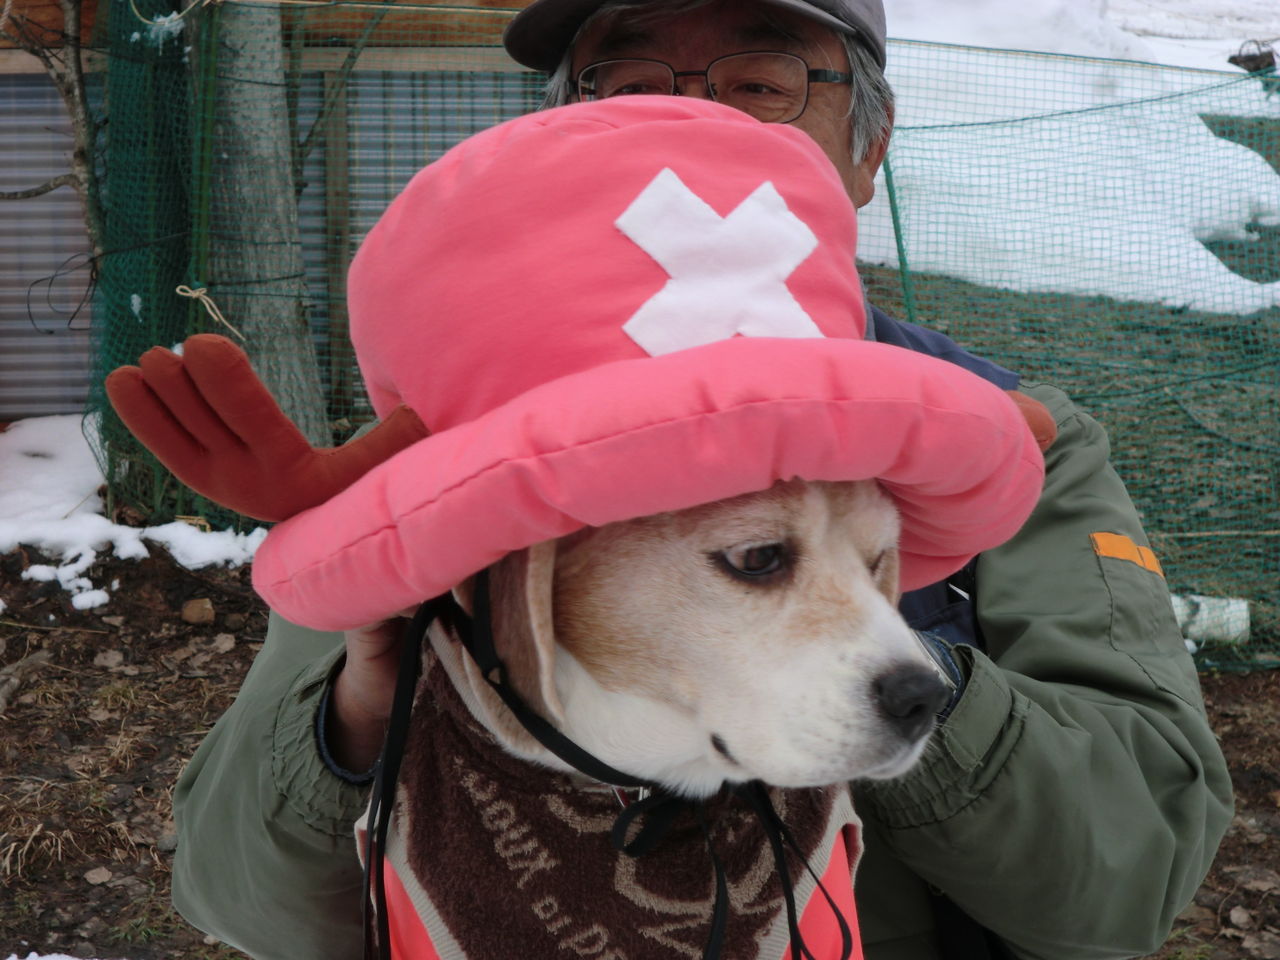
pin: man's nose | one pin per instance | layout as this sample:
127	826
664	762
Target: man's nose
693	84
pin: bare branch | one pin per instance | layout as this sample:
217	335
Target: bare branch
65	68
74	65
64	180
16	28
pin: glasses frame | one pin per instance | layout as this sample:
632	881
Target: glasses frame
812	75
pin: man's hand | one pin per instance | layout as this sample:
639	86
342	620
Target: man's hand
209	419
360	703
1038	418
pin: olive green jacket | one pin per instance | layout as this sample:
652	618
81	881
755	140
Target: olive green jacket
1071	803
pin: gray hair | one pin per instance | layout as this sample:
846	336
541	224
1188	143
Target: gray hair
870	101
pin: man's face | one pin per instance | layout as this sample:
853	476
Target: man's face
690	41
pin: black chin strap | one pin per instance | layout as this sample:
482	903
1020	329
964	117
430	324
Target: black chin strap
383	799
476	634
653	815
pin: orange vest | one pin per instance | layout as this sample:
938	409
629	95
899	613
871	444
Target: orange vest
410	939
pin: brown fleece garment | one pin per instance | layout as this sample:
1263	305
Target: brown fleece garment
518	861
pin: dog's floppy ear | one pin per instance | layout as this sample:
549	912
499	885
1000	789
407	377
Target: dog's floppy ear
463	594
520	589
524	626
520	593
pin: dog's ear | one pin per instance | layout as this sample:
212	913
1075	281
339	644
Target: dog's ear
520	593
463	594
524	626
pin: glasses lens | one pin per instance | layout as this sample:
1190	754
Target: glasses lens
616	78
771	87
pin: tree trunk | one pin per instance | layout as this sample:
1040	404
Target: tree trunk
251	249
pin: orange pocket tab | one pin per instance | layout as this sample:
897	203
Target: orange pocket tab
1119	547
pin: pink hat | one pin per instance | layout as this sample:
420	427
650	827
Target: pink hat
621	308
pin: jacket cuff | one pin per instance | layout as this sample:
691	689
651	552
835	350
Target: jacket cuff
322	738
321	798
960	761
945	661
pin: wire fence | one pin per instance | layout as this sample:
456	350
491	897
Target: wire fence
1110	227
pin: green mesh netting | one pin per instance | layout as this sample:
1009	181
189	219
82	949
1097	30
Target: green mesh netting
247	149
1111	227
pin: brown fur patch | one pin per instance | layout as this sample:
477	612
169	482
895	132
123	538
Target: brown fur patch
634	601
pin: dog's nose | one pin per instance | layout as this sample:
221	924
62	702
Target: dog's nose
910	697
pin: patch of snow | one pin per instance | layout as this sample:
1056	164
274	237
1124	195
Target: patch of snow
50	501
195	548
90	599
165	27
1051	26
1126	180
1184	33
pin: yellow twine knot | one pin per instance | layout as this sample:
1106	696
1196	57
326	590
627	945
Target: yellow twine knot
202	294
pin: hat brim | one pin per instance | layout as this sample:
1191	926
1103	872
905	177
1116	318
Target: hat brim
539	35
653	435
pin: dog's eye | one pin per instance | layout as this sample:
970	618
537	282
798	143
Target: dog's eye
755	561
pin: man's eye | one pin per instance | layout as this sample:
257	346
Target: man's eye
755	561
758	89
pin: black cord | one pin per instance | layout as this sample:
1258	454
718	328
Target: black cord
476	634
383	800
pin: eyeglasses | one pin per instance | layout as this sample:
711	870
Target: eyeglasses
772	87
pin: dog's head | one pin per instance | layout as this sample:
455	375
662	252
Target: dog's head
752	638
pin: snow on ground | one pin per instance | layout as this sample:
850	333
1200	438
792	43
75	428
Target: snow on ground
1122	199
49	500
1183	33
1195	33
1049	26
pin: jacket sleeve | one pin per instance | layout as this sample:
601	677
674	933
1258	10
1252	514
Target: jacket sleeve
266	857
1074	799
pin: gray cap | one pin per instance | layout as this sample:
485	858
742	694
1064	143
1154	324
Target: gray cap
542	31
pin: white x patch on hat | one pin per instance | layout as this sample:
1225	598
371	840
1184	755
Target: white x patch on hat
728	274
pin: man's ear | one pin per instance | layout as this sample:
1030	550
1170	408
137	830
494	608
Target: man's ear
864	175
524	626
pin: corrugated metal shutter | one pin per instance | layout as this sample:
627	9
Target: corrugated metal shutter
44	353
394	120
386	125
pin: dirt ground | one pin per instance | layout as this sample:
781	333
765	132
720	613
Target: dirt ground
93	737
